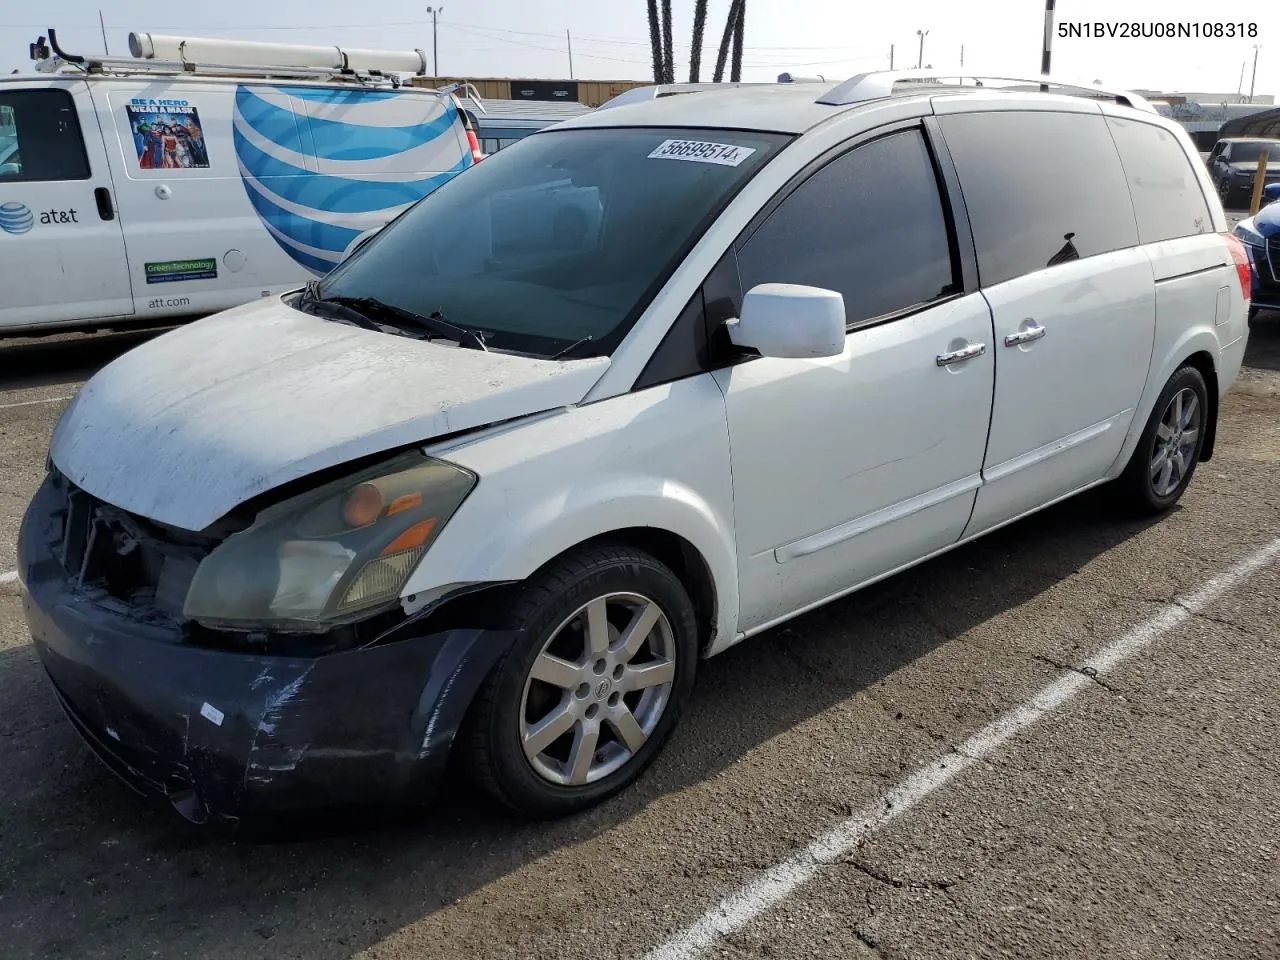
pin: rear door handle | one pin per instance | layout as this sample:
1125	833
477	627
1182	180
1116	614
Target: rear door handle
106	209
964	353
1033	332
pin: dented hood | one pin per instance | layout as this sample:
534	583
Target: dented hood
186	427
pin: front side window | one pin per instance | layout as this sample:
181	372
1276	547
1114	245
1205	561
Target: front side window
562	241
1041	189
869	225
40	137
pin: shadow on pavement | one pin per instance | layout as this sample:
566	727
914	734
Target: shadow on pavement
1263	352
65	358
84	864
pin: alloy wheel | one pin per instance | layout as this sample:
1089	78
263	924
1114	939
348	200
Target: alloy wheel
1177	437
597	689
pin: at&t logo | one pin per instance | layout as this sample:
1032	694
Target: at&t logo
16	217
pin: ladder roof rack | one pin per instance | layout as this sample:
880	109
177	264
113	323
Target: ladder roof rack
51	58
878	84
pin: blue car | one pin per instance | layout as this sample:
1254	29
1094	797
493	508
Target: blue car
1261	236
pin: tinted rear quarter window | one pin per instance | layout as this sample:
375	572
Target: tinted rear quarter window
1041	189
1166	194
869	225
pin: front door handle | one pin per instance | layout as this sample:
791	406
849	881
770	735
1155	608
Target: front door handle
964	353
1033	332
106	209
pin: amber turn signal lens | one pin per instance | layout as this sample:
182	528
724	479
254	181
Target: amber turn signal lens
406	502
363	505
415	536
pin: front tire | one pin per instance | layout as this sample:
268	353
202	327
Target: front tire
1167	453
601	667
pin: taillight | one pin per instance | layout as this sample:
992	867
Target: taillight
1244	268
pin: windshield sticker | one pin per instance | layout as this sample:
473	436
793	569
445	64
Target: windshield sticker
724	154
167	134
173	271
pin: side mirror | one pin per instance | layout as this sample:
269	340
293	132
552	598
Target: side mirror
790	320
1271	193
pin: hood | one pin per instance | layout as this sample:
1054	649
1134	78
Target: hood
1265	223
186	427
1267	220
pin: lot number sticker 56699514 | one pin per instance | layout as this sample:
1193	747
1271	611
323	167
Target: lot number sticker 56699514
725	154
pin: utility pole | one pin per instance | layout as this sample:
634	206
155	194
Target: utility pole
891	56
569	43
962	56
435	47
1253	79
103	24
1240	85
1047	50
920	62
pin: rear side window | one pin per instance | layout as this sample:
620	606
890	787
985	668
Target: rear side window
1166	194
1041	189
40	137
869	225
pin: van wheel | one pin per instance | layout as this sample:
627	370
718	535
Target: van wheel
1167	453
593	685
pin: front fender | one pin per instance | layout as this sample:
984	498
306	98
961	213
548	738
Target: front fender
657	458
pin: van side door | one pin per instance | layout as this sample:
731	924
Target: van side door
62	255
1072	297
196	243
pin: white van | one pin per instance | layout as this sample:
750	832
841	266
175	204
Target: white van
144	188
656	380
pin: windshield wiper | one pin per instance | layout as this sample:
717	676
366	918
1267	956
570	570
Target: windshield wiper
432	326
573	347
310	296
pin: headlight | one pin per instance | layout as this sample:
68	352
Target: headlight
324	556
1246	232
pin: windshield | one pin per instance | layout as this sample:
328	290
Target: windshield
1250	152
562	237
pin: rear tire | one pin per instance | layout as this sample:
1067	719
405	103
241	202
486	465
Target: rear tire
1165	459
597	677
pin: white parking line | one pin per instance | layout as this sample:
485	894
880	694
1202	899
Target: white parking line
9	577
32	403
776	884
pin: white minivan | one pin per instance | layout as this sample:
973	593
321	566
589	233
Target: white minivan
140	189
631	391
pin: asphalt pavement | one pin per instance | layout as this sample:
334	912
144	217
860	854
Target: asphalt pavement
1062	740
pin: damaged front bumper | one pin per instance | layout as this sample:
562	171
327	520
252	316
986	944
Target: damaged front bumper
226	735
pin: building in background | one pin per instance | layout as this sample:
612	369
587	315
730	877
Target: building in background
590	93
1204	115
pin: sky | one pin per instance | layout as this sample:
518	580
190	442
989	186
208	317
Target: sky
519	38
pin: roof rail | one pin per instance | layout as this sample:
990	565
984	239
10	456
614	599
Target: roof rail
879	84
656	90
